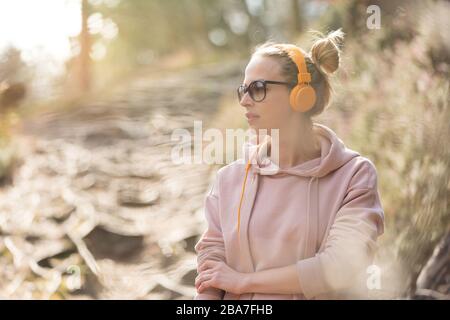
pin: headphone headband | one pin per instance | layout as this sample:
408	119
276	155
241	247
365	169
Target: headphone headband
296	54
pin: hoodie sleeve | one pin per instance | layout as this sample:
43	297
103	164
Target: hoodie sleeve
351	242
211	244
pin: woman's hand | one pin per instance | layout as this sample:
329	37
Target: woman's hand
219	275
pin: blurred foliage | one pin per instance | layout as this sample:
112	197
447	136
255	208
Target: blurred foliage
12	66
351	15
133	34
15	74
394	95
7	154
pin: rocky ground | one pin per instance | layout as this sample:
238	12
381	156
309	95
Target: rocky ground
97	209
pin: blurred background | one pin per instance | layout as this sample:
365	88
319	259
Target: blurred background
91	205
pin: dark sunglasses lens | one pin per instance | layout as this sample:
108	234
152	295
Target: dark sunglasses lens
257	90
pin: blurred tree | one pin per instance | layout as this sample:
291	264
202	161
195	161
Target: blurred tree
85	48
12	66
257	29
297	16
134	33
397	19
11	94
14	77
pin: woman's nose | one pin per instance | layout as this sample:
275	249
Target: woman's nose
246	101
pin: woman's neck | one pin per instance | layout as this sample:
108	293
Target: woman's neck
297	143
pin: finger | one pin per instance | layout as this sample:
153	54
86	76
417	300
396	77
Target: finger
200	266
205	275
202	277
203	266
206	265
204	286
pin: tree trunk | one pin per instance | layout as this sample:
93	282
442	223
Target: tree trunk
433	280
85	45
297	23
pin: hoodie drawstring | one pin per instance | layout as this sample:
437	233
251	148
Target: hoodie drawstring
247	168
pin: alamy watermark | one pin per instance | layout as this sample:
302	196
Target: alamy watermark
213	146
374	279
374	19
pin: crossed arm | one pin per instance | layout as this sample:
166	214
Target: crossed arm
217	274
348	250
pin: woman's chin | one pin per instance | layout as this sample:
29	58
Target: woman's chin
253	123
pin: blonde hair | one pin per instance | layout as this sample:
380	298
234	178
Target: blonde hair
321	61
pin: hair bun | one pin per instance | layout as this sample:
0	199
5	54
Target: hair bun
325	51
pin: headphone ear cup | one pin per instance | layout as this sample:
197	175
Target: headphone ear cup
293	98
304	99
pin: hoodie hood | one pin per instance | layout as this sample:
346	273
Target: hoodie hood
334	154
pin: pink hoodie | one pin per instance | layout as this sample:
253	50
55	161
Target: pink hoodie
323	215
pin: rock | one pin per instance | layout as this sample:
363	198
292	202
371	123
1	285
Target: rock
190	242
130	194
105	244
101	176
189	278
57	210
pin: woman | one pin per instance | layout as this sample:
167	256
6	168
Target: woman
308	229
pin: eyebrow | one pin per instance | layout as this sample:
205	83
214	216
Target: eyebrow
263	79
253	81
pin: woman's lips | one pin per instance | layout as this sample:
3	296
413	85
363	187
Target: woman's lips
251	116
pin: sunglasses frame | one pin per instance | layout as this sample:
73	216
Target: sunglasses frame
265	83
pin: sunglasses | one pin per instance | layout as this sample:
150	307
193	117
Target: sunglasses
257	89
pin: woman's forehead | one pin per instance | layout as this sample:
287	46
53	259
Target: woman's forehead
261	67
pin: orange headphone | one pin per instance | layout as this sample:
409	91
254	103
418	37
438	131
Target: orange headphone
303	96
